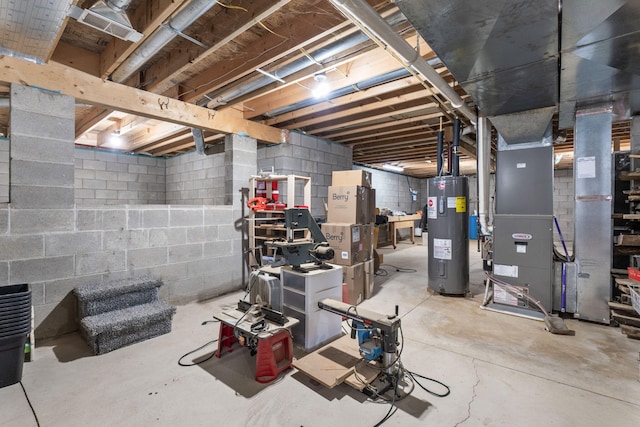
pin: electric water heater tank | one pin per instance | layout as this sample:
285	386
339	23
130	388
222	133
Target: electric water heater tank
448	234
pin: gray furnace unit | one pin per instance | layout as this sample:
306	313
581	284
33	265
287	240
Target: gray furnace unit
448	234
523	226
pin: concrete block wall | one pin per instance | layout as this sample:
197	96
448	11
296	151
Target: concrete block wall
195	250
563	204
4	170
42	134
105	178
392	190
306	155
195	179
54	244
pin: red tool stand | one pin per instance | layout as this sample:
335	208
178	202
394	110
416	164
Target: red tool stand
274	351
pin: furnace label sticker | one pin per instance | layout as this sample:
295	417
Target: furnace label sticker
432	210
502	296
586	167
442	248
505	270
461	204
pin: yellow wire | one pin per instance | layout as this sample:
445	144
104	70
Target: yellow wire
271	31
229	6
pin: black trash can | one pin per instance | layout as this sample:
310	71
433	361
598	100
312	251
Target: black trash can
15	324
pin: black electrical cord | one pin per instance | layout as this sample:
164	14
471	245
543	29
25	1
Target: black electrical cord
402	269
414	375
33	411
381	272
199	348
392	408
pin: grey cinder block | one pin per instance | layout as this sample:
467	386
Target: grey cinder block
148	257
27	221
32	197
21	247
41	269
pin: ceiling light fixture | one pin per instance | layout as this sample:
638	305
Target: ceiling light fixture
322	88
392	168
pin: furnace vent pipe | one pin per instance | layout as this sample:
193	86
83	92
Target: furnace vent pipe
152	45
456	146
440	151
315	57
362	14
483	154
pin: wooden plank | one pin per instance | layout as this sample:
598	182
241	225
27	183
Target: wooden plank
270	47
628	240
629	176
625	320
625	309
633	217
331	364
630	331
364	374
166	69
93	90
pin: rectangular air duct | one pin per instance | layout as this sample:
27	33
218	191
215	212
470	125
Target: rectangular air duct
104	18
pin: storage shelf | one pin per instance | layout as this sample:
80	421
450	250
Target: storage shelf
273	226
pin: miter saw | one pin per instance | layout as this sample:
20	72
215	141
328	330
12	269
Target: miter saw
300	252
377	337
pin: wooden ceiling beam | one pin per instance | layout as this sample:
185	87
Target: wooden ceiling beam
389	132
363	67
146	18
163	73
78	58
301	32
412	109
92	90
390	103
359	96
94	116
376	127
388	117
413	132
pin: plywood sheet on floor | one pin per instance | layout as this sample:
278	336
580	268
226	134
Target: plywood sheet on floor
336	362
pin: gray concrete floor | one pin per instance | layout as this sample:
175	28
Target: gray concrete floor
502	370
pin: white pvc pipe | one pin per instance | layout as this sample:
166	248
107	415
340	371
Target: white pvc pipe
484	161
362	14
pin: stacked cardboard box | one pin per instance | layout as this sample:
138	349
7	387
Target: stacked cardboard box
349	230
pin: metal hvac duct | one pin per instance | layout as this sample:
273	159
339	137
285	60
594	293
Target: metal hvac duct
362	14
224	97
152	45
108	16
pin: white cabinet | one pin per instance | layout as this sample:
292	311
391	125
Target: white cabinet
301	293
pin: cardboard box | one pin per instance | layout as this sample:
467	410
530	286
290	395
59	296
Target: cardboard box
346	241
352	177
369	279
367	240
352	204
354	277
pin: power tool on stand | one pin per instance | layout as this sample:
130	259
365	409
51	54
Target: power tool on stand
378	340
